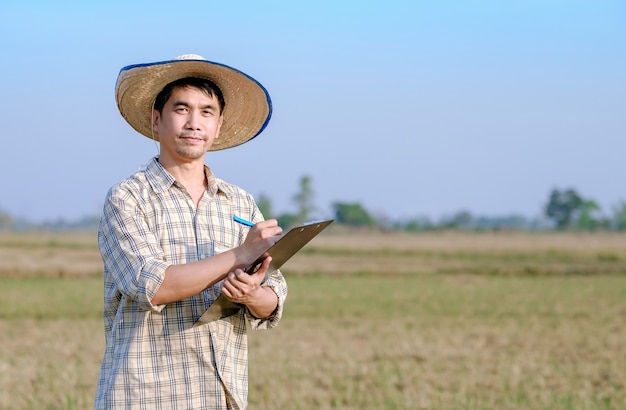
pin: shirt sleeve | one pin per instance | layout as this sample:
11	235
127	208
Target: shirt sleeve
130	251
276	281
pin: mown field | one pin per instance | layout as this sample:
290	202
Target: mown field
373	321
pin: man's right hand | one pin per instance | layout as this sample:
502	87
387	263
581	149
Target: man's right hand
260	238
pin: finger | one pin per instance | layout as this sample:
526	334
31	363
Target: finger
226	291
268	223
235	286
233	290
272	234
269	228
264	267
244	280
232	282
237	274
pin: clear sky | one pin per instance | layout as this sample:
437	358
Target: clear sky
411	108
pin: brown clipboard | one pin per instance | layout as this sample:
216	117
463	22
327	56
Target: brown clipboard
288	245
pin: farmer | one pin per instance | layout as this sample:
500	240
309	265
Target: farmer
171	244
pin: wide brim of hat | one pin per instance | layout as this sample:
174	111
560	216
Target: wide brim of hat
247	111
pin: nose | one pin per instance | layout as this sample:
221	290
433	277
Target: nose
193	122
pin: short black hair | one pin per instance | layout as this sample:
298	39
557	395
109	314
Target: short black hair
201	83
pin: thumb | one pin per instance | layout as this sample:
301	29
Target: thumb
260	273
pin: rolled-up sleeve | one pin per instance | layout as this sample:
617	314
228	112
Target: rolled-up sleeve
130	251
277	283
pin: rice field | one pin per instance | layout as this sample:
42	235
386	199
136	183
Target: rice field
440	320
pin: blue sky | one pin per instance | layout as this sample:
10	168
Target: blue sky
412	108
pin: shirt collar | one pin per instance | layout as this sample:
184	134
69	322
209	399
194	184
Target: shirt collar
161	180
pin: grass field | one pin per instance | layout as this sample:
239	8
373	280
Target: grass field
373	321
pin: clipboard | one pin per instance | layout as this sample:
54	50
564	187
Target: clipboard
281	251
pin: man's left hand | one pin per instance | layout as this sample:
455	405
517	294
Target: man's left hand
244	288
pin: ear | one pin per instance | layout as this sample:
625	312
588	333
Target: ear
155	120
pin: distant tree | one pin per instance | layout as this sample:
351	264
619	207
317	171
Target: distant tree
619	216
288	220
562	207
416	224
87	223
382	221
352	214
6	221
413	226
460	220
515	222
265	206
305	199
463	220
589	217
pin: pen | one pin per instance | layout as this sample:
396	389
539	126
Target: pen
242	221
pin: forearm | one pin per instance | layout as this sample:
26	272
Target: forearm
185	280
264	302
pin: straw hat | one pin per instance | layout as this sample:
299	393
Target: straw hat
247	110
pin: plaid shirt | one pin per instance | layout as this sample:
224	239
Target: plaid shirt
154	357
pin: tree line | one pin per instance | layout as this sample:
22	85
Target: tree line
565	210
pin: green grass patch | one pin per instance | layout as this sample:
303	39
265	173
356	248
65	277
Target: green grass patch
42	298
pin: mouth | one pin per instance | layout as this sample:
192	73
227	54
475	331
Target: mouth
192	138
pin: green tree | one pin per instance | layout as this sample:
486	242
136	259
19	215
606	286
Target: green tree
588	218
265	206
352	214
562	207
619	216
460	220
417	225
287	220
305	199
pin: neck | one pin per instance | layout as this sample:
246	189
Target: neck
190	174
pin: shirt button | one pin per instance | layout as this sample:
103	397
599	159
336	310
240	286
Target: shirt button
202	256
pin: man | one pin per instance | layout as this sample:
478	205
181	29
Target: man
171	244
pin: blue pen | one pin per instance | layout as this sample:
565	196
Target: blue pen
242	221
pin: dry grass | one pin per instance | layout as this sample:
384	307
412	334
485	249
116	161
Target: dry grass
337	251
457	342
493	253
49	363
432	321
49	254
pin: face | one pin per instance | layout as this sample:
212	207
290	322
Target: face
188	125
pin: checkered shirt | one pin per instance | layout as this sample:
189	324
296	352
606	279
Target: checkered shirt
154	357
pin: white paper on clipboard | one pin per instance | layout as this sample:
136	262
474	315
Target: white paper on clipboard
288	245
